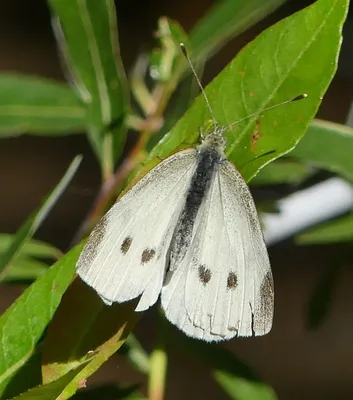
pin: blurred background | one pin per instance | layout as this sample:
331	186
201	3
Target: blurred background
298	362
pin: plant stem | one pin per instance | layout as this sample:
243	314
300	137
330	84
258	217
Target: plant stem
107	164
158	365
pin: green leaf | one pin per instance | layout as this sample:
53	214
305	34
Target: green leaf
53	391
162	59
297	55
38	106
135	354
95	329
88	37
22	325
329	146
338	230
31	225
226	20
241	389
28	376
281	171
32	248
24	268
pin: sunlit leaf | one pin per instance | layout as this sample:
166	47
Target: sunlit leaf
22	325
95	329
267	72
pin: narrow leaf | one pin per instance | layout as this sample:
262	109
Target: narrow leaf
54	390
33	248
225	20
31	225
22	325
88	38
95	329
241	389
135	354
281	171
24	268
338	230
38	106
329	146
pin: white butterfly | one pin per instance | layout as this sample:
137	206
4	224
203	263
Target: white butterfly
188	231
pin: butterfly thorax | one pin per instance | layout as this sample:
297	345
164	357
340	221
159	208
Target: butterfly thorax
214	139
208	160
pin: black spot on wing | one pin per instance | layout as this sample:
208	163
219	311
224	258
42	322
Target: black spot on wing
204	274
125	246
147	255
232	280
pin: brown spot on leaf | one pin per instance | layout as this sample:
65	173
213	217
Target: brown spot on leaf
147	255
82	383
255	136
204	274
232	281
125	246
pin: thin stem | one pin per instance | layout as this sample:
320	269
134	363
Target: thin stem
107	163
158	365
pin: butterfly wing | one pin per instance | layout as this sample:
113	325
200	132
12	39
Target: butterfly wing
223	286
126	253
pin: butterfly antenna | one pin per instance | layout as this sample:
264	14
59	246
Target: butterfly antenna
188	59
300	97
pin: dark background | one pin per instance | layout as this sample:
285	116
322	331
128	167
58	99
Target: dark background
299	363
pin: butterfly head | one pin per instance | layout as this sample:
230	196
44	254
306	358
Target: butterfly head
214	137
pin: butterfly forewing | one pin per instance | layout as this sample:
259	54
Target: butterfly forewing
126	254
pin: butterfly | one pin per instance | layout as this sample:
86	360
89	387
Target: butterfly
187	232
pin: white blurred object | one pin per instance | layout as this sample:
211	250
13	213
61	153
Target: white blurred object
306	208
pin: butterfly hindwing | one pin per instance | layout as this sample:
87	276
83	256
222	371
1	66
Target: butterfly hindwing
223	286
126	254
